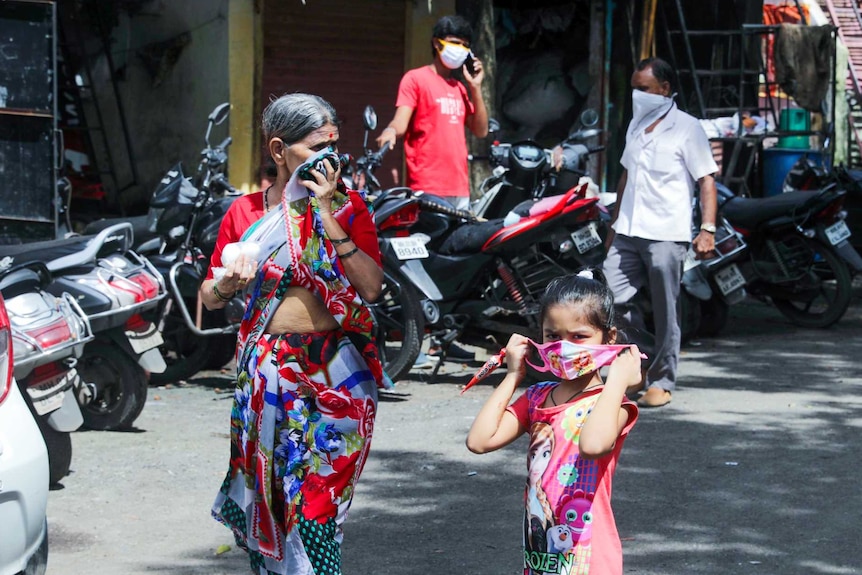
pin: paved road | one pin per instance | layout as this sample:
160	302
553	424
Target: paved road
752	469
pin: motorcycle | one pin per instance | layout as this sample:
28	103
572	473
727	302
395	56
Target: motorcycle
178	236
479	281
793	258
715	283
808	175
119	291
48	335
524	170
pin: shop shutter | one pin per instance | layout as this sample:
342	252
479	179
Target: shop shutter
349	52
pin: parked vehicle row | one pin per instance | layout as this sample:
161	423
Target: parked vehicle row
477	274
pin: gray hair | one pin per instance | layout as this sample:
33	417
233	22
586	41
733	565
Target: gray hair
293	116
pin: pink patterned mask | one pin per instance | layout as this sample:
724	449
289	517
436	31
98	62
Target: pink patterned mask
568	360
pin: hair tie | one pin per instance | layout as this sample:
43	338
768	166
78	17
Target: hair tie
588	274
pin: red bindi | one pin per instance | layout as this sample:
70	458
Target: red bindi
330	135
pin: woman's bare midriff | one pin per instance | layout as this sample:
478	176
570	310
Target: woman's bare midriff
300	311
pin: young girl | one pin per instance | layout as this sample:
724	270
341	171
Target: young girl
577	428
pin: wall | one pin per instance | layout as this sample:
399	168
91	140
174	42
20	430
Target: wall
167	90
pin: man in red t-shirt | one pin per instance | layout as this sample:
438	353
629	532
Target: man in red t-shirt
431	111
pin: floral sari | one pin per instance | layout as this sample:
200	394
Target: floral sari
304	405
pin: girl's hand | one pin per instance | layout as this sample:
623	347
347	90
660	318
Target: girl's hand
324	186
626	368
516	350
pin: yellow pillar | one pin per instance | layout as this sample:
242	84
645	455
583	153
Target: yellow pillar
245	62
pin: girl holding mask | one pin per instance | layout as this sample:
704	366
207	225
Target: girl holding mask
590	419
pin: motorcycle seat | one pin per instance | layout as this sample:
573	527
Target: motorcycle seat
470	237
751	212
139	227
45	251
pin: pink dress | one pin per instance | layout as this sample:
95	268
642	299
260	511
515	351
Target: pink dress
569	525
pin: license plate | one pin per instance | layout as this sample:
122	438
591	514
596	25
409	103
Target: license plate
144	342
45	399
586	238
729	279
409	248
837	232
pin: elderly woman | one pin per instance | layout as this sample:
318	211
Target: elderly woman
307	366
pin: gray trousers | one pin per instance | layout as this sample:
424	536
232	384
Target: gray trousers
634	263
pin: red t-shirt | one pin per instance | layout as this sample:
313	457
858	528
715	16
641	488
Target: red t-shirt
247	209
435	146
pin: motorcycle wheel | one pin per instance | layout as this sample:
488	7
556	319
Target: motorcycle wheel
400	324
714	314
834	292
689	319
223	352
120	386
186	353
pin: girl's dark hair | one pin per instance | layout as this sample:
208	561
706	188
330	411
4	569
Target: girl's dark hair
661	71
293	116
451	26
587	288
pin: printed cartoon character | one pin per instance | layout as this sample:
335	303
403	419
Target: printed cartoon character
560	539
576	512
554	360
539	515
574	418
584	363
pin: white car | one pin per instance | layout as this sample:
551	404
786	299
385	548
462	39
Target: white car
23	474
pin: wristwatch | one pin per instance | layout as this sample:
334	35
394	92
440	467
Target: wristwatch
710	228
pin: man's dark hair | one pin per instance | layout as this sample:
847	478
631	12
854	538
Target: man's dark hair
451	26
661	70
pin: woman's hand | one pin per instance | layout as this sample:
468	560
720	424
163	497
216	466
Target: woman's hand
241	271
324	186
626	368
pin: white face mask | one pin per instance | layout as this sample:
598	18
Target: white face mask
647	108
453	56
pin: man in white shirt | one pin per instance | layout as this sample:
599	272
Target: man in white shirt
666	152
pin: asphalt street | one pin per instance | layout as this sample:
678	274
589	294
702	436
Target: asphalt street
752	469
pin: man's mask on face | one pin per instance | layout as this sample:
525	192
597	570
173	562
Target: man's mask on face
568	360
453	55
647	108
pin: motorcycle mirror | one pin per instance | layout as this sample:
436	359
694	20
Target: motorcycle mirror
215	118
589	118
493	125
370	118
220	114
